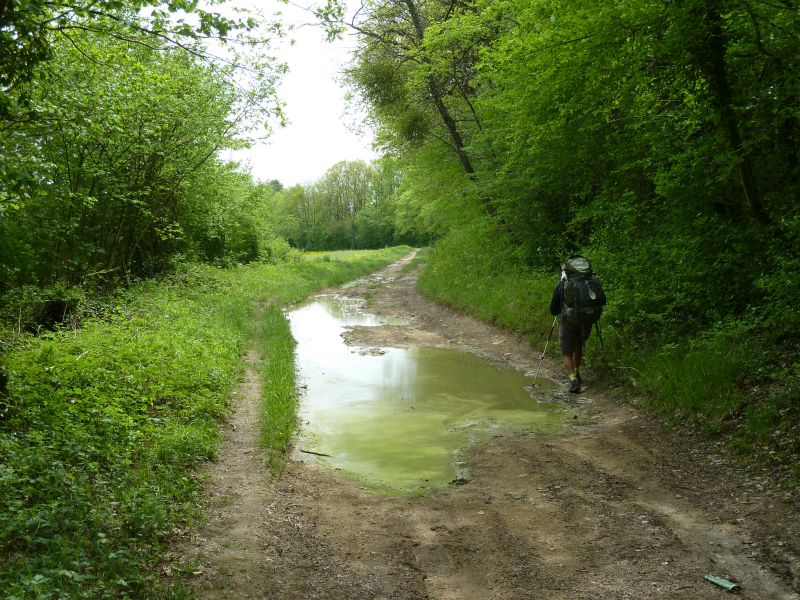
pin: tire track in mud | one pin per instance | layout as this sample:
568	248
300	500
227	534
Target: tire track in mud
620	508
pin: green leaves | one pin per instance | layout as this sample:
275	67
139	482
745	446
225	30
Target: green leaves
28	28
351	206
105	130
116	169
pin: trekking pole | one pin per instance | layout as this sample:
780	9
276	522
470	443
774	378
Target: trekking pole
552	327
599	334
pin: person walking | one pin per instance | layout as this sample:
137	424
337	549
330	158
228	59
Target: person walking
578	299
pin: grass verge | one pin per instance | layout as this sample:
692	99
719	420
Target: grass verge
103	426
277	371
472	270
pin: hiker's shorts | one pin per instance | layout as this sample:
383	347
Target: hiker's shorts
570	337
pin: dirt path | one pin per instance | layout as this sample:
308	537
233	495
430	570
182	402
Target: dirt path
621	508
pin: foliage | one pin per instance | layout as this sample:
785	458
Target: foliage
227	218
112	117
104	425
30	28
121	161
353	205
98	430
625	131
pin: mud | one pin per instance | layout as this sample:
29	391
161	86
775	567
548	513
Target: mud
621	506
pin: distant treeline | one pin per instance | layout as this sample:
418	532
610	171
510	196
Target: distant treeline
353	205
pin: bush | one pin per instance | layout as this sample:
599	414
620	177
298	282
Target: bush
30	308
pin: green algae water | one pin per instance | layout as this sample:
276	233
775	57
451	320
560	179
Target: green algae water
398	418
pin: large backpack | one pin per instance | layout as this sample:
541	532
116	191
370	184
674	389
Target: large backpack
583	293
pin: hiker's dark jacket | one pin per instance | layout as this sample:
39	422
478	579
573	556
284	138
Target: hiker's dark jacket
557	301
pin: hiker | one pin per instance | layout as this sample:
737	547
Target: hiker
578	299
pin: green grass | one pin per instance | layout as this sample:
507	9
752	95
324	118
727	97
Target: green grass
105	425
278	415
468	271
697	382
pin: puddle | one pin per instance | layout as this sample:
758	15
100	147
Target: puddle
398	418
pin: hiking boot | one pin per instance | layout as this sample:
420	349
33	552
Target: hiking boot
578	379
575	385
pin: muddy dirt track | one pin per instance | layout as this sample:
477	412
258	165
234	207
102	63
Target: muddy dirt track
621	507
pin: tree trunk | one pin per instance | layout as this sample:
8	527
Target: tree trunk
450	124
444	113
714	66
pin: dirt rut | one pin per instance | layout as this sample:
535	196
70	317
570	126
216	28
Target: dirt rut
621	507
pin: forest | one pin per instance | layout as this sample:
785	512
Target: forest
659	139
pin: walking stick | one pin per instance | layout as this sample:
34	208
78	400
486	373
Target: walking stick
599	334
553	326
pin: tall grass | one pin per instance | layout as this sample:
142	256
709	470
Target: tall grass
278	415
104	425
698	381
473	271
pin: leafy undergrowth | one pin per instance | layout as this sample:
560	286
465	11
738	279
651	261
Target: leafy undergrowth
103	425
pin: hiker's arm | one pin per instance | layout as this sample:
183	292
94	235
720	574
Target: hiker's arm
555	301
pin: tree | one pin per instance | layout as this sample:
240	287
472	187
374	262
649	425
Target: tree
117	156
415	69
30	29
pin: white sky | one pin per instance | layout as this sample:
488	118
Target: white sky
319	133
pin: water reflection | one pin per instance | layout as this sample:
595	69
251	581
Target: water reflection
399	418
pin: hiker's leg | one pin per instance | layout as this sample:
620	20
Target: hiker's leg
569	364
577	357
567	340
585	333
570	339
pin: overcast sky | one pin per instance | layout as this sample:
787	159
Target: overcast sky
321	128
